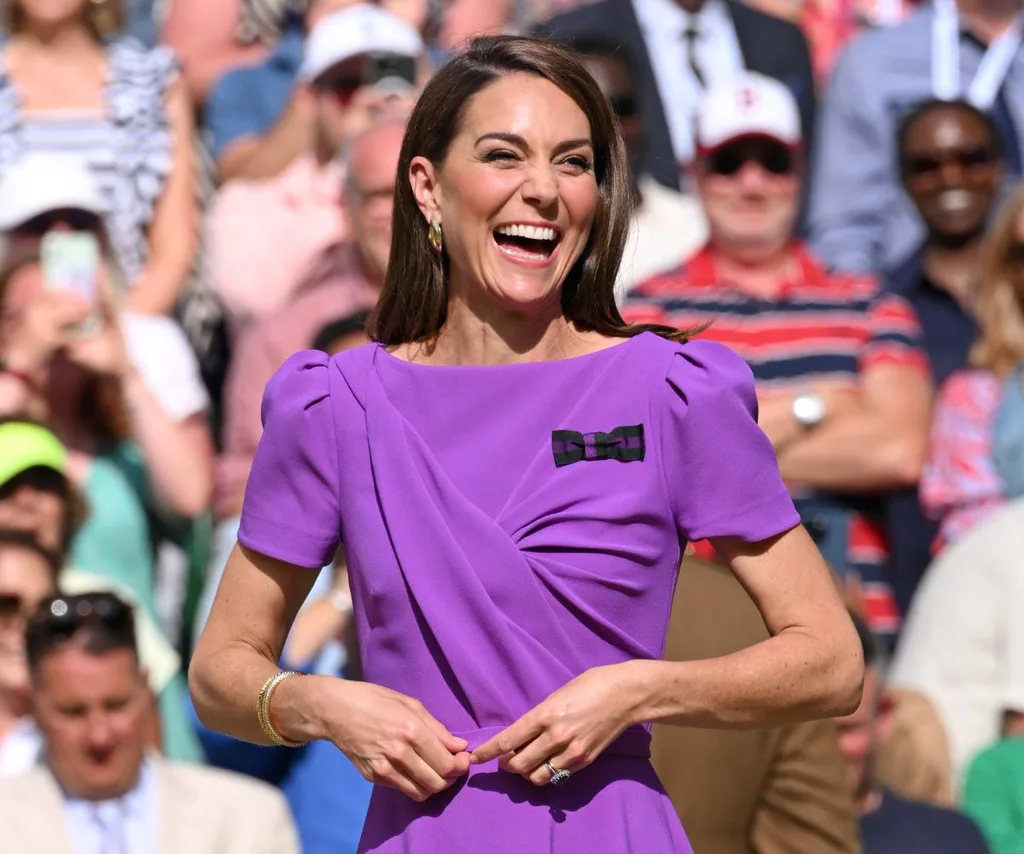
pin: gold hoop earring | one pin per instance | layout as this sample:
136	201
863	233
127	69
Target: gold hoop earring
434	234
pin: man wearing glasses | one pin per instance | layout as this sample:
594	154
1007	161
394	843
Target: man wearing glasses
98	790
843	386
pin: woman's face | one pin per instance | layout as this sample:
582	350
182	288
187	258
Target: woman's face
515	196
54	12
25	581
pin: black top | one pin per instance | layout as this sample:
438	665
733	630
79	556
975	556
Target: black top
907	827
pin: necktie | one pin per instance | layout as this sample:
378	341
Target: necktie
109	821
692	34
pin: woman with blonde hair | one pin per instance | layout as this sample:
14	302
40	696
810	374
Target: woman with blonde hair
976	458
70	83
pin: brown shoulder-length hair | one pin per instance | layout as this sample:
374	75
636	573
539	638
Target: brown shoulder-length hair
103	19
413	303
101	408
999	301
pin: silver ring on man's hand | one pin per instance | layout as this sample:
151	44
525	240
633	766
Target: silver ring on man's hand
558	776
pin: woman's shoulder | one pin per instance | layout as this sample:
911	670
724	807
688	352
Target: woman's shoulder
132	62
304	380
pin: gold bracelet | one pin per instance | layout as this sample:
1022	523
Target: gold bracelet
263	709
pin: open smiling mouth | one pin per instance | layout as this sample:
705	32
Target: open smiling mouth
530	243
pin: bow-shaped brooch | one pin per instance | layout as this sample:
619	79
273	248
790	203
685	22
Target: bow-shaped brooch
625	444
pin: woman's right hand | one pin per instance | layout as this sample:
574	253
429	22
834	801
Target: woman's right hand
42	327
394	741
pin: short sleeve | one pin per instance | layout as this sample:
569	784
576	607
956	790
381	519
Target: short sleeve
233	110
723	478
291	509
896	338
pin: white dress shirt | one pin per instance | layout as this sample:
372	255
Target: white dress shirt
20	749
663	24
126	825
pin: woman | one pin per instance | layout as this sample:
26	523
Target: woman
511	569
131	460
963	480
28	576
67	83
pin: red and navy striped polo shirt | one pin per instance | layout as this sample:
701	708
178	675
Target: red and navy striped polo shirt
817	326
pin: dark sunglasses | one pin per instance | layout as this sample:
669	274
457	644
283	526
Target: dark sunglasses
929	165
59	618
773	157
13	607
1015	253
76	220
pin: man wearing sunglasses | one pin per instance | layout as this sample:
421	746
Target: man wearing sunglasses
843	385
98	790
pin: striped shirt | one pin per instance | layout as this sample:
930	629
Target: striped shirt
817	327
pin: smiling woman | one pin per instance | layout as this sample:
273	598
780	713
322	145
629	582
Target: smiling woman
514	472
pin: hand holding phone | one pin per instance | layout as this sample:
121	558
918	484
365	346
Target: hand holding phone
71	265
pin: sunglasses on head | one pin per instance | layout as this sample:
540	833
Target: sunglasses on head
772	157
930	165
14	607
59	618
72	218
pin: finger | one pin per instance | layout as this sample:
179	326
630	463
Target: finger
452	743
442	761
393	777
529	756
572	759
522	731
410	763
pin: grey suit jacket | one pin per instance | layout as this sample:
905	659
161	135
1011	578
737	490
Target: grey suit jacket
201	811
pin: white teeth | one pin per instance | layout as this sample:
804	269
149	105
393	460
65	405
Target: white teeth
531	232
954	200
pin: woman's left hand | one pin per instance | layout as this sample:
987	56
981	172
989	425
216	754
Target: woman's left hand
569	729
102	352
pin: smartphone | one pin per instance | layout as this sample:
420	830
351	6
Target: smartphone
71	264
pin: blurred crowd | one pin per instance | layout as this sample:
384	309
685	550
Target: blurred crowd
192	190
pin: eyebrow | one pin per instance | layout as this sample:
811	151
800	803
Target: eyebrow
516	139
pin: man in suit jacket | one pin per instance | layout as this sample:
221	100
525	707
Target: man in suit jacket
652	31
98	790
769	791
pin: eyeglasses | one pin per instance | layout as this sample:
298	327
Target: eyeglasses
773	157
14	607
60	618
625	106
76	220
930	165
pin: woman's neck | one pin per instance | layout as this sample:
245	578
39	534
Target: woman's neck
63	41
953	270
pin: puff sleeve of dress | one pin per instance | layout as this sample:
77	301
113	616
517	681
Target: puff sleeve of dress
291	508
723	477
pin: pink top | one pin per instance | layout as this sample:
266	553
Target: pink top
960	485
263	235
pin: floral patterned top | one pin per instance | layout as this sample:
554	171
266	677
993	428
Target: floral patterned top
128	146
960	484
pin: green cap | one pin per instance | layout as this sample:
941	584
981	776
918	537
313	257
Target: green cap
26	446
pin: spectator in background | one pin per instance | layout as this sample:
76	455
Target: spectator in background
668	226
342	334
39	499
962	644
860	220
348	278
778	790
973	466
360	66
994	794
950	160
28	576
843	387
682	47
890	824
68	83
99	790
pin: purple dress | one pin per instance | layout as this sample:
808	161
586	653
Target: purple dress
507	528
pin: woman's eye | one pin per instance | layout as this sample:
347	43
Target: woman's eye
499	155
578	162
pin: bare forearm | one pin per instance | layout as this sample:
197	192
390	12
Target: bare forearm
268	156
160	286
789	678
180	470
862	451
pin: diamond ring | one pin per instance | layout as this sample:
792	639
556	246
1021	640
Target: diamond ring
558	776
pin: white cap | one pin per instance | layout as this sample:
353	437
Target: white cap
353	31
38	182
748	104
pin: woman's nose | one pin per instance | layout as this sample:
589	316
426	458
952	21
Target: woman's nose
541	187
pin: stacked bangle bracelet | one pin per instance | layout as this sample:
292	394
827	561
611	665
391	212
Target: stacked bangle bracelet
263	709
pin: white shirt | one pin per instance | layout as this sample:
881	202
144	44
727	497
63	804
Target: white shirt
20	749
667	229
962	643
160	351
663	24
126	825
